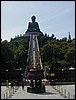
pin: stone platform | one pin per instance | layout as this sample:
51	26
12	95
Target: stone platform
36	89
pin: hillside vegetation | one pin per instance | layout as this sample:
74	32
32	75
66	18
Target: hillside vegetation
59	53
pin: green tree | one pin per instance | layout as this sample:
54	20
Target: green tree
20	56
6	56
70	56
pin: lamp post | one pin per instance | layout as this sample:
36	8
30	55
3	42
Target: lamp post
21	76
6	74
7	77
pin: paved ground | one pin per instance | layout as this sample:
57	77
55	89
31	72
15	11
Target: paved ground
50	93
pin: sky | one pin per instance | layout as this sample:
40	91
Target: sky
53	17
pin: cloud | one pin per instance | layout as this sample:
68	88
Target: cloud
59	14
62	13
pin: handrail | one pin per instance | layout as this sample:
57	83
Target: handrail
9	92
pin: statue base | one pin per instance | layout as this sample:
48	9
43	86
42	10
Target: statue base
36	89
31	33
35	76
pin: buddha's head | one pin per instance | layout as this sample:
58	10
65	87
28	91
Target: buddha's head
33	18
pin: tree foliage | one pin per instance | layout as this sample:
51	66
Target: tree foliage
13	54
60	53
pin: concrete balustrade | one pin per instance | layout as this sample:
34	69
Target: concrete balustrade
64	92
8	93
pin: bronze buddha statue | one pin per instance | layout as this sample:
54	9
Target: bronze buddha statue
33	26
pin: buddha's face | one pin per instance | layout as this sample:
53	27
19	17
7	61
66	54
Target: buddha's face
33	18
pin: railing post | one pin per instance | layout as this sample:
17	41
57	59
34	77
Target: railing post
68	95
61	91
4	96
57	88
9	93
13	90
73	96
64	93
